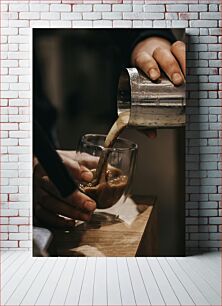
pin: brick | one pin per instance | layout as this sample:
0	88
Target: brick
19	102
20	86
197	7
191	220
207	55
60	24
19	118
24	212
102	7
9	126
4	220
9	142
122	23
208	212
39	7
154	8
215	220
50	16
188	16
13	47
18	236
29	15
9	63
176	8
208	189
82	23
93	15
209	15
18	23
82	7
137	23
24	229
71	16
112	15
18	7
199	236
172	16
9	212
148	23
4	236
9	31
19	71
215	236
121	7
18	220
39	24
214	63
102	23
8	228
25	157
203	23
180	23
25	244
138	15
207	228
210	244
9	244
213	7
60	7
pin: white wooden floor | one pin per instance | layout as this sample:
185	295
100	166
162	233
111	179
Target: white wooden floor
110	281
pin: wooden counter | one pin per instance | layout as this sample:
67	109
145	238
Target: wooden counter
127	229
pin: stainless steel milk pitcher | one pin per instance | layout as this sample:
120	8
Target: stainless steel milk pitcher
151	104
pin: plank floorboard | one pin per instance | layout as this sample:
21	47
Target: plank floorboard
165	287
181	293
187	281
11	261
73	293
4	255
86	294
207	291
139	289
21	290
113	285
40	281
100	282
212	278
9	287
12	270
126	289
153	290
47	291
63	284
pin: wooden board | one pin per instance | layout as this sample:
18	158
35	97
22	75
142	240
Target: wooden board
117	231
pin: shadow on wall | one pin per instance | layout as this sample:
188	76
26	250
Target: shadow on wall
193	142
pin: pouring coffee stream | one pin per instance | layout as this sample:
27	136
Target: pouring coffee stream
119	125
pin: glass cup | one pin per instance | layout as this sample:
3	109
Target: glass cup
119	162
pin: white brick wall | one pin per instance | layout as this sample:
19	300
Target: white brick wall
203	167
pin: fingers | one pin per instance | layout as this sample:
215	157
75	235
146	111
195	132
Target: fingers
179	51
84	159
57	207
79	172
148	65
169	64
77	199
